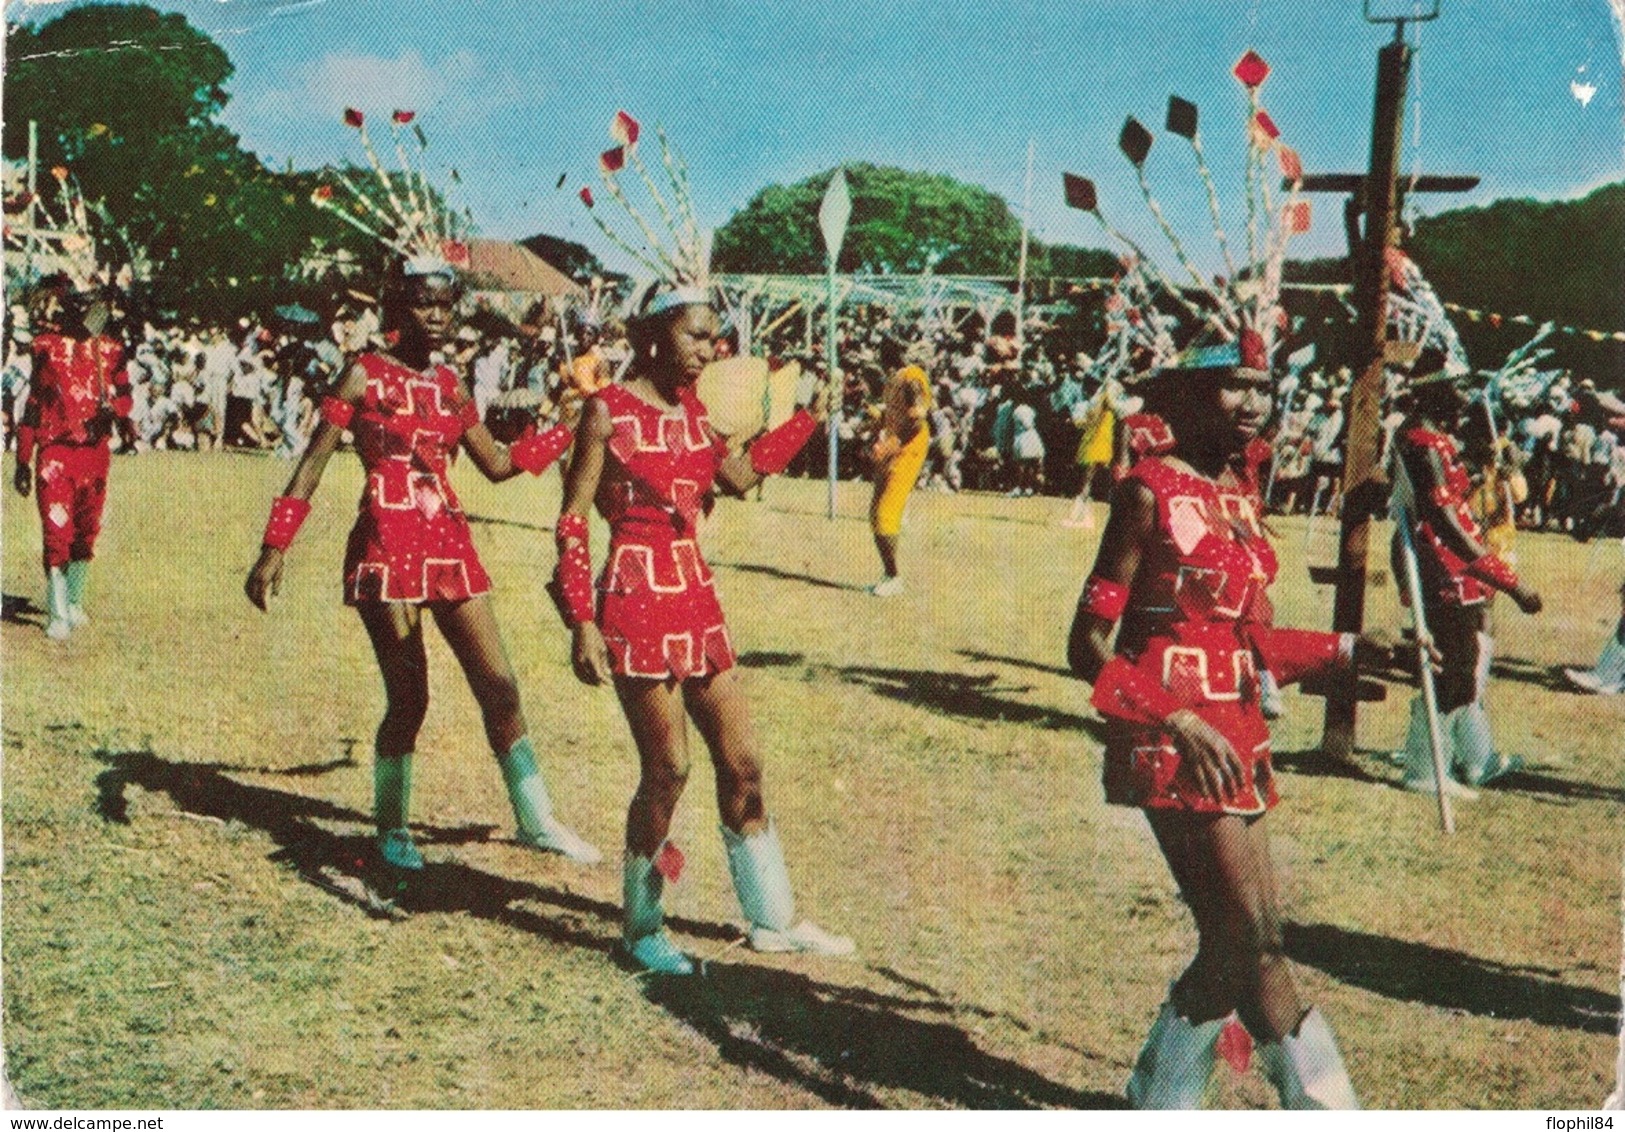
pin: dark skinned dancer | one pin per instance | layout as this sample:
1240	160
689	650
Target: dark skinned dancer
1181	580
411	550
653	628
1459	577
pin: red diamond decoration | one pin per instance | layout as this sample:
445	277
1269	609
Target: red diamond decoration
1252	70
669	862
1291	163
1235	1045
613	160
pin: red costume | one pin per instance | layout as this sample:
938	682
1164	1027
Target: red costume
411	541
658	604
1196	622
79	384
1446	576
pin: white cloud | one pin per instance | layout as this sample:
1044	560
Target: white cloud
377	84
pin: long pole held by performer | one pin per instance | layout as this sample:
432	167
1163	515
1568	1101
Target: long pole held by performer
833	214
1403	507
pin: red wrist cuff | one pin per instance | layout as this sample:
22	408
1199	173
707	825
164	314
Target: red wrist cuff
25	445
287	515
773	451
535	451
1124	692
1493	570
571	587
337	412
1103	598
469	414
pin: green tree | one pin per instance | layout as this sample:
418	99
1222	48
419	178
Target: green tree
902	223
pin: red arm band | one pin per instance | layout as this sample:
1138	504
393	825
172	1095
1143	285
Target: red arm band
337	412
469	414
773	451
1493	570
1103	598
25	445
287	514
1124	692
123	403
1293	654
571	587
535	451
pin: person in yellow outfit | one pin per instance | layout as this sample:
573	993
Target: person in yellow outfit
900	449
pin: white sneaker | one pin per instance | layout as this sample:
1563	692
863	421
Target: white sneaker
58	629
77	617
805	937
556	837
887	587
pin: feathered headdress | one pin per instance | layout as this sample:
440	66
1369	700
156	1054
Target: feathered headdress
403	213
1236	320
680	258
1139	337
1417	316
61	229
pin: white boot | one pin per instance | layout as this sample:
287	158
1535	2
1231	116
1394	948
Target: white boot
77	574
1419	754
763	886
1176	1062
643	928
56	604
538	828
1306	1068
1608	677
1475	758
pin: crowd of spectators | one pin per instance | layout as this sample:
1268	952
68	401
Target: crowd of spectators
1009	414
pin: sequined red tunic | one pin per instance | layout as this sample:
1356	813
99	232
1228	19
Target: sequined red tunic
1444	573
411	541
658	605
1197	625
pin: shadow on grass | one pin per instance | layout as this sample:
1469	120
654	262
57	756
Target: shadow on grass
961	694
1534	782
1315	763
1453	980
840	1043
1520	671
786	575
1015	662
18	610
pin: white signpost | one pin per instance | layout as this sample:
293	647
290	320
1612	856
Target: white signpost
833	214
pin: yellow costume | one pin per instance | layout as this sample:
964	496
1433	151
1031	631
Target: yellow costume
901	447
1097	445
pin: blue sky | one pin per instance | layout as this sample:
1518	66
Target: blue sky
514	94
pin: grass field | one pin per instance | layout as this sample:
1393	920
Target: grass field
190	922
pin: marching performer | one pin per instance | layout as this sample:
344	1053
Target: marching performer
81	391
1170	629
411	548
652	626
901	445
1459	577
1607	676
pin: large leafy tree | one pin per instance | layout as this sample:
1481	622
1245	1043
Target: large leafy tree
903	223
